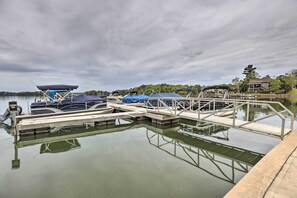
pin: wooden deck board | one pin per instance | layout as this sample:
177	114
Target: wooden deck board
28	124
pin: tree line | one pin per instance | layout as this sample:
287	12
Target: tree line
280	84
168	88
22	93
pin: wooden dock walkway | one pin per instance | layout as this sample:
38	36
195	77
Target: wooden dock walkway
31	124
72	119
218	119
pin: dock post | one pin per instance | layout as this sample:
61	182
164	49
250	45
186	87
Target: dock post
283	128
234	108
248	111
199	109
292	122
174	107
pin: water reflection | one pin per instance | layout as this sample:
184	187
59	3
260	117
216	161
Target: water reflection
205	129
290	103
6	127
224	161
180	141
59	146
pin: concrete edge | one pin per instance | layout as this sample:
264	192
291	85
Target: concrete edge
258	180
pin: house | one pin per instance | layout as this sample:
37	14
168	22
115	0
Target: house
259	84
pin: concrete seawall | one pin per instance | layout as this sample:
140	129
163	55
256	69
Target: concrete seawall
276	95
275	175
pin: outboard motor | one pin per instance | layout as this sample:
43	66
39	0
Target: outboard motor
11	112
5	115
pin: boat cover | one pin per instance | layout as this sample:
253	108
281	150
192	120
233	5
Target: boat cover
85	98
135	99
56	87
165	96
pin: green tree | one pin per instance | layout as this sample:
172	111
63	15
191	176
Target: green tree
288	82
250	73
236	82
275	84
293	73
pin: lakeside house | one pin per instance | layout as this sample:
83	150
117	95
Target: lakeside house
256	85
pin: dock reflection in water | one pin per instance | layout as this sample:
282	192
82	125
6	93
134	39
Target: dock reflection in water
181	141
61	146
224	161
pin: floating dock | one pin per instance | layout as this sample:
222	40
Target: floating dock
162	115
33	124
26	125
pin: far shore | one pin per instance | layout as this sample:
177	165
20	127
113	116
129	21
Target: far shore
275	95
258	95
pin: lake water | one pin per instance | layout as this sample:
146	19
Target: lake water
128	160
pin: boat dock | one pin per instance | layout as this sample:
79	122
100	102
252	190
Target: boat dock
273	175
33	124
163	114
225	118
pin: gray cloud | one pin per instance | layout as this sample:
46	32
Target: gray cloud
21	68
112	44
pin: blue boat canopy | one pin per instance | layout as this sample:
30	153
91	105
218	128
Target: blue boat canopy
134	99
52	93
165	95
57	87
85	98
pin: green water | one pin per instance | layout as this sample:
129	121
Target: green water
129	160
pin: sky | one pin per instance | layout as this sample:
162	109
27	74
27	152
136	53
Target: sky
120	44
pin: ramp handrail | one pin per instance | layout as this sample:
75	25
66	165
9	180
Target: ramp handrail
179	106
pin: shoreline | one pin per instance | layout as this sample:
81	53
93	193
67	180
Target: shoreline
286	96
275	95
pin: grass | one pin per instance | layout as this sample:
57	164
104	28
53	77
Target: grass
294	91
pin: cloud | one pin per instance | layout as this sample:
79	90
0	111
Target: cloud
114	44
21	68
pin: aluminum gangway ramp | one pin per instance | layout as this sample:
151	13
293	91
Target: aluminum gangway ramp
227	121
225	116
224	112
